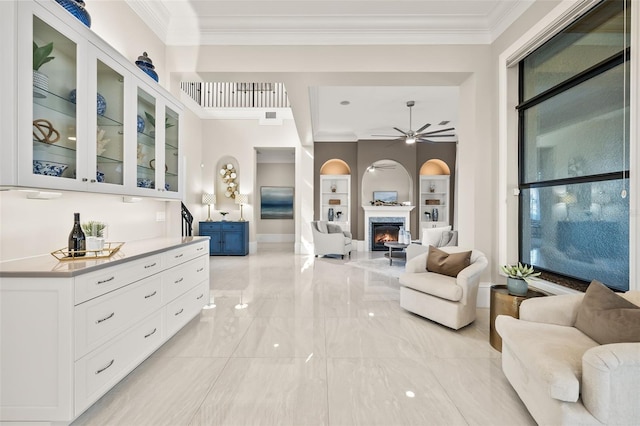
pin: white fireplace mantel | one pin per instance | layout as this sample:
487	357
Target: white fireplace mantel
370	212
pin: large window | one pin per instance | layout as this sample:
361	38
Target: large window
573	140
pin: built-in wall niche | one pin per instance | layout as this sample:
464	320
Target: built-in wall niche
335	193
434	194
387	176
226	183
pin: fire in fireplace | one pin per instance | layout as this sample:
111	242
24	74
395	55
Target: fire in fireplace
384	232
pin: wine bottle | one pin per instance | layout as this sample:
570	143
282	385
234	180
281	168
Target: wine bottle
77	240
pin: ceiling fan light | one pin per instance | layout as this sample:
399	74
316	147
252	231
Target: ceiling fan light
410	140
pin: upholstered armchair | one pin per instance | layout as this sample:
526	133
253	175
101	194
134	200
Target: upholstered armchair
564	376
329	238
448	300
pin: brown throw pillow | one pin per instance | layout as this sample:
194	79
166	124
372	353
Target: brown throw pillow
607	317
445	263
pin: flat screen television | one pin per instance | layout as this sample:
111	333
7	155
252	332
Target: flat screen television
386	196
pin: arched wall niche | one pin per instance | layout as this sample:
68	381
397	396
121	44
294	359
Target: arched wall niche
387	175
335	166
224	201
434	167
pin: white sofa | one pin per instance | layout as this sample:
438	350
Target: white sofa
563	376
329	238
446	300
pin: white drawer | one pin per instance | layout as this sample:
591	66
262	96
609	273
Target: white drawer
100	370
186	253
103	318
185	307
176	281
96	283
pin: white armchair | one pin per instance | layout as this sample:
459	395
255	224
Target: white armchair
563	376
329	238
450	301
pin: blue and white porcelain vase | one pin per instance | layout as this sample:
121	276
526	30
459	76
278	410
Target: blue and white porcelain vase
146	64
76	8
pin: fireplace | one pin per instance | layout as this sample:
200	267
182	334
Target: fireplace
383	232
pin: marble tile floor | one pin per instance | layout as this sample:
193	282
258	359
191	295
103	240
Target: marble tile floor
318	343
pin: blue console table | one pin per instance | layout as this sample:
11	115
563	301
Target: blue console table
226	238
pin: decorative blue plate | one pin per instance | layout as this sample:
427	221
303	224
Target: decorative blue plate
99	176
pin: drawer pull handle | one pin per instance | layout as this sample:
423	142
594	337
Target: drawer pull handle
150	266
105	318
179	281
200	270
106	281
200	297
151	295
179	255
152	333
200	248
179	312
104	368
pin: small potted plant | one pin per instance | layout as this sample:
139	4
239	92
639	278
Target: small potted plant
224	215
41	57
518	277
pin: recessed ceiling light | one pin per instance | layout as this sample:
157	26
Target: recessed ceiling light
345	103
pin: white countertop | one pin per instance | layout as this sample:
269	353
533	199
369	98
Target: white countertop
49	266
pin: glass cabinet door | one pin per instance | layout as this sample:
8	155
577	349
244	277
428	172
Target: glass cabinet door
171	155
55	121
146	140
109	125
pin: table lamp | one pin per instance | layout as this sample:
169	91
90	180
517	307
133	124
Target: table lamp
242	199
209	199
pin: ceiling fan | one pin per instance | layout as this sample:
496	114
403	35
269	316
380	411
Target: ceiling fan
411	136
380	166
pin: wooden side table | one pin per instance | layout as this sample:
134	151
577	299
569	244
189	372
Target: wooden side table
503	303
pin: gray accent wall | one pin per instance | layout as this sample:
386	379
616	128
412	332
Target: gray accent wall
360	155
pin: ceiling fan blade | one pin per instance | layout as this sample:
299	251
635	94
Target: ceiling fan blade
437	136
439	131
388	136
432	141
423	127
401	131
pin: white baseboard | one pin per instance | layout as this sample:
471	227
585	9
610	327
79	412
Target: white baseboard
484	294
276	238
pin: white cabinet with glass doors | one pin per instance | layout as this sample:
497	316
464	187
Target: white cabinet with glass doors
80	130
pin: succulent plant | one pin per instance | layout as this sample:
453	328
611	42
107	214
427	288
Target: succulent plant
519	271
41	55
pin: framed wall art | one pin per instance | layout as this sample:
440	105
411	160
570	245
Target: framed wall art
276	202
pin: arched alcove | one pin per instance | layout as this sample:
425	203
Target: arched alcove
434	166
335	166
387	175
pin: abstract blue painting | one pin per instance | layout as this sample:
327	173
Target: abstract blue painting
276	202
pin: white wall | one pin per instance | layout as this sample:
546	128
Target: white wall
35	227
238	139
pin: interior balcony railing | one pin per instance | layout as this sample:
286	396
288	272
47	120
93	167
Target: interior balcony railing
237	95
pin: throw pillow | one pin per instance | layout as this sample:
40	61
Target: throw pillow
607	317
432	236
322	227
444	263
333	228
